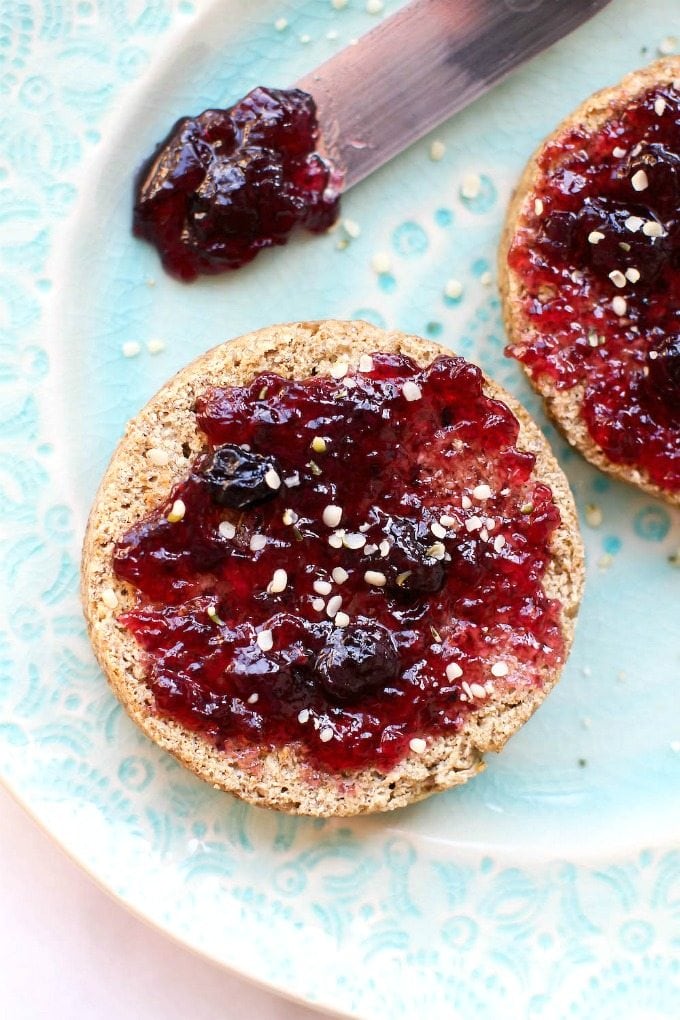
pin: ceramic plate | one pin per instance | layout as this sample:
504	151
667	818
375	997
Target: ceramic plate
548	887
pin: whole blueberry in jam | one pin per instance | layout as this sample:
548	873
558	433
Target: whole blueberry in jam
406	535
239	478
227	183
356	660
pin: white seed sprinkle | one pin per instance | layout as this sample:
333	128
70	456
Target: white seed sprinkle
490	523
303	716
384	548
318	444
499	669
633	223
318	605
109	598
484	535
334	605
437	550
351	228
381	263
157	457
332	515
278	582
437	150
265	640
453	289
374	6
617	278
322	587
411	390
339	369
354	540
339	575
595	236
253	699
538	206
486	278
177	513
292	480
280	24
498	543
365	363
376	578
453	671
370	549
155	346
341	619
447	521
305	39
659	106
325	734
364	527
477	691
335	540
471	186
653	229
633	274
131	349
272	479
257	542
619	305
474	523
618	152
213	615
466	688
289	516
226	529
639	181
437	530
481	492
417	745
466	502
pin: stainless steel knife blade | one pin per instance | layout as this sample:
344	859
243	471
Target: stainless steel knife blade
423	64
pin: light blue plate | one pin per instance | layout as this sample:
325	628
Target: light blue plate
550	886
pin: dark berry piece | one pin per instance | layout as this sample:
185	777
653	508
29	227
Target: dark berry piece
661	168
623	243
357	659
662	384
239	478
412	568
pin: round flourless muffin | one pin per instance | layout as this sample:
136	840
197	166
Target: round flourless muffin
330	566
590	277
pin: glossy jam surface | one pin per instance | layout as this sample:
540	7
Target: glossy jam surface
357	563
599	256
228	183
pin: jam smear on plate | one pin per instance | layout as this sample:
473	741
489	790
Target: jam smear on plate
352	565
599	261
228	183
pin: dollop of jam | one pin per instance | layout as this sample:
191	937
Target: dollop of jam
598	257
228	183
355	562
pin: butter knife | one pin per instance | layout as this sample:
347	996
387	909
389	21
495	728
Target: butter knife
420	66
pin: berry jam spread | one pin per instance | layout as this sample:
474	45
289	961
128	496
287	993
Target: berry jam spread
228	183
599	259
353	564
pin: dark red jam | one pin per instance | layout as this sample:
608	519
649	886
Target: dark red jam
599	258
354	563
228	183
